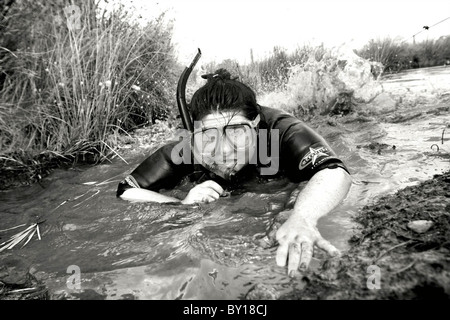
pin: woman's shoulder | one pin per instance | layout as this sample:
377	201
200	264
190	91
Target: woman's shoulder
277	118
272	112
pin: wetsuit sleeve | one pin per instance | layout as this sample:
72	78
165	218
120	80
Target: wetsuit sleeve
157	172
303	152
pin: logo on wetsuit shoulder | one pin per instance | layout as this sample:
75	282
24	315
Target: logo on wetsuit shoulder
312	156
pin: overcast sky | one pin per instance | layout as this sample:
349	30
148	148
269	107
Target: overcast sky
229	28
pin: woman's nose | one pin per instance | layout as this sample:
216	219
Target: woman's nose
226	146
226	150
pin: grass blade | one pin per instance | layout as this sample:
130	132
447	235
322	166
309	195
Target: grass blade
87	199
114	152
38	233
29	238
90	183
18	240
26	290
13	228
1	244
15	238
22	232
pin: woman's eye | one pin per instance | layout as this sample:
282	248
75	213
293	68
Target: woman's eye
236	133
209	139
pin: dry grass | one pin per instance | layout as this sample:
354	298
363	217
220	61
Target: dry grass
66	92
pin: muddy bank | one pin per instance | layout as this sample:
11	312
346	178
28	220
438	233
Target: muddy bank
387	259
34	169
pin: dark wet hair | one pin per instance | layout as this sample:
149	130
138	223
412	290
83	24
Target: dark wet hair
223	93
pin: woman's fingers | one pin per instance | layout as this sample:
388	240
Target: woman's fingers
295	252
207	191
307	252
299	253
209	198
213	186
210	193
282	253
328	247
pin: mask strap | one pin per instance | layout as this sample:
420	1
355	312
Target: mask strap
255	121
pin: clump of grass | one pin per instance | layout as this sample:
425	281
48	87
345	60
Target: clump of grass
66	91
398	54
22	237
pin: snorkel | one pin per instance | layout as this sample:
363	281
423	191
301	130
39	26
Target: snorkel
181	94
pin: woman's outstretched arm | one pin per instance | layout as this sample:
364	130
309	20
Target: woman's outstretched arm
299	233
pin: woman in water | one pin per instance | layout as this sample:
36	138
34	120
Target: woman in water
233	136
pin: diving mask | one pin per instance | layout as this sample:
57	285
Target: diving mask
225	147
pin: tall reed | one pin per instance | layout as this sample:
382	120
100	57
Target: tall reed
68	91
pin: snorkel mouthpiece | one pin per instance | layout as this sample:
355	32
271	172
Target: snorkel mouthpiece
229	175
219	170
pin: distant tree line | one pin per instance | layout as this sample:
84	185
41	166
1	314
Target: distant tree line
400	55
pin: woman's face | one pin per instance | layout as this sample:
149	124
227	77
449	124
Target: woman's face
224	142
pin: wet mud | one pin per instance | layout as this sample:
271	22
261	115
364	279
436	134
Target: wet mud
387	259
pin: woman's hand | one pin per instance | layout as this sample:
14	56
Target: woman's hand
296	238
298	235
207	191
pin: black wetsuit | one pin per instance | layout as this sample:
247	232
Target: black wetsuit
302	153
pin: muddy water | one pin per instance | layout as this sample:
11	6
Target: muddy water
150	251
